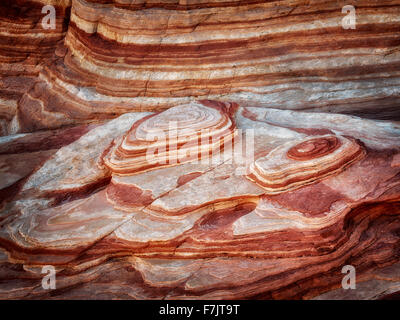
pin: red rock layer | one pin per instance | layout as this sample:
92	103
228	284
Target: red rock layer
66	176
299	163
120	57
204	230
24	45
314	148
324	189
180	134
22	155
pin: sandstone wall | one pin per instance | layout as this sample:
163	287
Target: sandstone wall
123	56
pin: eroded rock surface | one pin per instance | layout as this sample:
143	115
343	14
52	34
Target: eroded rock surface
106	58
208	227
199	149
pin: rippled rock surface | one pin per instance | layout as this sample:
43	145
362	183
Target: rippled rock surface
106	58
199	149
24	47
173	137
300	162
281	225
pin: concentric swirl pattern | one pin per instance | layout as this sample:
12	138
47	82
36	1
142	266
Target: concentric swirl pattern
180	134
297	163
314	148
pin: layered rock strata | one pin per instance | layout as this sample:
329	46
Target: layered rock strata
120	169
204	229
178	135
119	57
24	46
299	163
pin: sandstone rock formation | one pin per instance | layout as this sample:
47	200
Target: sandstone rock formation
106	58
199	149
298	163
204	229
24	46
172	137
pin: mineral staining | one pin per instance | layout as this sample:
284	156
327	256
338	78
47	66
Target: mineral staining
177	135
113	125
307	205
298	163
106	58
